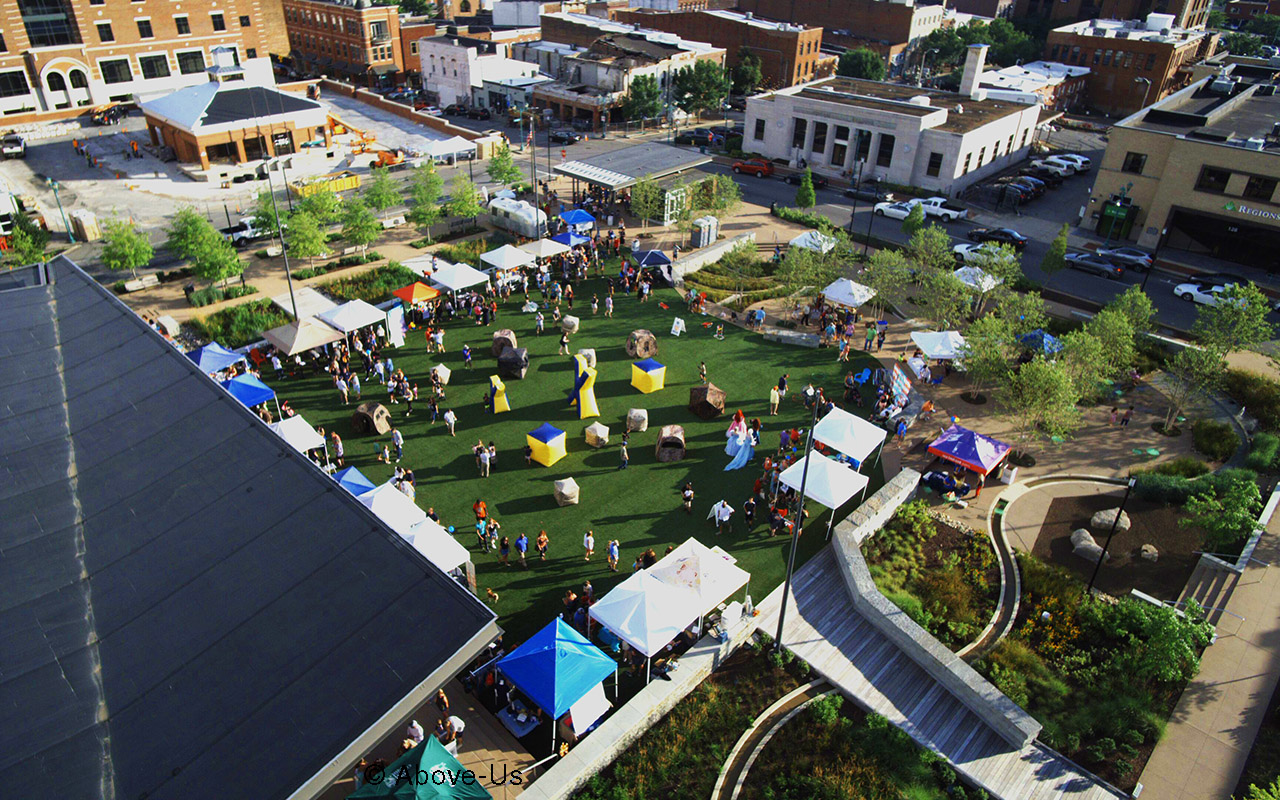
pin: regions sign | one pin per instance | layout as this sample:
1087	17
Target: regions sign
1252	212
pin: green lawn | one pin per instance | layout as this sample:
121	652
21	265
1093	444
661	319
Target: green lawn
640	506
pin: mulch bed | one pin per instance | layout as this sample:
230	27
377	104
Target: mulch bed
1151	524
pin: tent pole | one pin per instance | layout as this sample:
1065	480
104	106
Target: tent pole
648	667
831	523
279	413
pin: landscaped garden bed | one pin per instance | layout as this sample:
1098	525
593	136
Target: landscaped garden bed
945	579
740	272
468	251
1101	676
216	294
373	286
835	751
353	260
240	325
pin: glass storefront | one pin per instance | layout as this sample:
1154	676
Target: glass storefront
1228	237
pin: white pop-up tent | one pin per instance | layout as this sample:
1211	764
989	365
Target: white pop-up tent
829	482
352	316
845	292
939	344
392	507
302	335
452	277
850	434
646	613
423	265
435	543
979	279
507	257
544	248
309	302
698	568
299	433
813	240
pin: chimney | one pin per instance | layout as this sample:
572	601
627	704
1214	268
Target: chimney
974	62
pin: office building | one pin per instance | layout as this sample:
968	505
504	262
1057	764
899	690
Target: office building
1132	63
1057	87
1192	14
1197	171
58	58
355	42
939	141
452	67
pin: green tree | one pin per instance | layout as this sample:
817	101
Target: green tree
216	260
464	198
718	195
265	216
1003	267
124	247
1024	311
1242	44
1117	338
501	167
1041	400
425	188
383	192
1217	20
1238	321
304	237
747	73
1137	308
943	299
806	197
27	243
989	349
888	273
861	63
802	268
699	88
187	231
1055	257
1228	517
930	249
646	200
1190	370
644	98
1265	25
1256	792
1154	643
1085	358
323	204
359	225
913	223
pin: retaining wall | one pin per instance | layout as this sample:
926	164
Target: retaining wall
708	255
986	701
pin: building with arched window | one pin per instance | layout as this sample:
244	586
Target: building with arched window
356	42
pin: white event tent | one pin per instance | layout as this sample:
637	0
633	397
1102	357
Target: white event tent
829	482
301	335
706	573
435	544
845	292
942	345
452	277
507	257
352	315
544	248
850	434
299	433
646	613
979	279
813	240
392	507
309	301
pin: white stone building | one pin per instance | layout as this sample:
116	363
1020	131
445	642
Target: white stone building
452	67
936	140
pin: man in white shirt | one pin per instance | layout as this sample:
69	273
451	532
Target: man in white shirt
723	514
450	419
397	439
457	726
484	462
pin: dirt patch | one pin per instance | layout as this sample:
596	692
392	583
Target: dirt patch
1152	524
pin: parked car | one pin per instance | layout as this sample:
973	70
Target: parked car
700	136
1081	163
869	192
13	146
1026	186
1001	235
794	179
1218	279
942	208
565	137
893	210
432	110
1092	262
1201	293
109	114
455	109
1127	257
968	253
1051	179
754	166
725	131
1035	182
475	112
1063	169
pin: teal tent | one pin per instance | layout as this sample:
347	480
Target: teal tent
427	772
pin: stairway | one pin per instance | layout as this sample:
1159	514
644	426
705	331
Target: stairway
1210	585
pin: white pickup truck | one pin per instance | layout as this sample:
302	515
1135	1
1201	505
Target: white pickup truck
13	145
242	233
940	207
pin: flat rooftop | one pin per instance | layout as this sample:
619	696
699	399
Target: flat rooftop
739	18
1222	113
895	98
622	168
1148	30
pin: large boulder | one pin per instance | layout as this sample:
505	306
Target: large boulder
502	340
642	344
569	324
566	492
371	418
707	401
597	434
1150	553
638	419
513	363
1083	545
589	354
1102	521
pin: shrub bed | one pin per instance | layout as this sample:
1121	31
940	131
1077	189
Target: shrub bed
215	294
1262	452
373	286
240	325
1217	440
353	260
946	580
1180	467
469	251
1174	490
1259	394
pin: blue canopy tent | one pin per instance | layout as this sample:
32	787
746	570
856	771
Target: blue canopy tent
570	239
969	449
577	219
214	358
557	667
354	481
1041	341
651	258
250	391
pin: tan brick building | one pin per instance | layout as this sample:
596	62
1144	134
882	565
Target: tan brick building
1186	13
1198	171
790	53
59	58
1132	63
358	43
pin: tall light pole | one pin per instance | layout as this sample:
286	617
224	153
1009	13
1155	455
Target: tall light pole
923	58
1145	92
798	524
1154	256
856	183
1103	555
52	184
284	248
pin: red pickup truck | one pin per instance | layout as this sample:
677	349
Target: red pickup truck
754	166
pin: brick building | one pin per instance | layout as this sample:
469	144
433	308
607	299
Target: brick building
790	53
1241	11
1186	13
358	43
1132	63
60	57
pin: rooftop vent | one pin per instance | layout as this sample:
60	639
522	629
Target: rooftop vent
1255	143
1222	85
919	100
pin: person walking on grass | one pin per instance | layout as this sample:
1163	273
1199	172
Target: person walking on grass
342	388
702	371
686	497
538	323
522	546
774	399
870	338
466	355
504	552
608	306
485	460
564	343
450	420
397	439
542	543
337	449
623	455
611	552
589	544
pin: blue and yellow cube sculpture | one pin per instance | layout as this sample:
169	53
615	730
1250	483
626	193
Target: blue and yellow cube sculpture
547	443
648	375
584	388
498	395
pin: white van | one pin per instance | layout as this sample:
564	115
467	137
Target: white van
1081	163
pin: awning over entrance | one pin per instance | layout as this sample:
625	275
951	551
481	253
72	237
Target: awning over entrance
622	168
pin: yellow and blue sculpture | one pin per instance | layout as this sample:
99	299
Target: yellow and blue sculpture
648	375
584	389
498	395
547	443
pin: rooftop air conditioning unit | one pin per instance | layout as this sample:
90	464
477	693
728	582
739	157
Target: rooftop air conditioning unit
1255	143
919	100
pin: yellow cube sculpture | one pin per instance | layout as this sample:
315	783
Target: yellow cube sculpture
648	376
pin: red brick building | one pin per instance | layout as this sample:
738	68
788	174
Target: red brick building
1186	13
358	43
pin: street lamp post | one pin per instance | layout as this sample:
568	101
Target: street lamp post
798	524
870	218
923	58
1145	92
1103	555
284	248
857	182
1154	256
53	184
